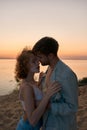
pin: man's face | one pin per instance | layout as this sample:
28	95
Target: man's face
44	60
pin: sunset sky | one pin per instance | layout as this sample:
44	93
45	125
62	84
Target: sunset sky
24	22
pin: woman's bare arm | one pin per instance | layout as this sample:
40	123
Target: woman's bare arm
33	113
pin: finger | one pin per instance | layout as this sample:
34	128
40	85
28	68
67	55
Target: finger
56	85
54	89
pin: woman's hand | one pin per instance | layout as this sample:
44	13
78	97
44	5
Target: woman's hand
41	75
53	88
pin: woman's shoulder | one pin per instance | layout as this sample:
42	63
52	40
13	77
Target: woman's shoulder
25	86
26	90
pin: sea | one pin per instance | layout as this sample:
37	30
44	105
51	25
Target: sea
7	73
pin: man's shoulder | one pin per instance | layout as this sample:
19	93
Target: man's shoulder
64	69
62	66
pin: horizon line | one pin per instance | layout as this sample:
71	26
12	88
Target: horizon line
60	58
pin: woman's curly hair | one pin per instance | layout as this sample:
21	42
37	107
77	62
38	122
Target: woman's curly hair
21	69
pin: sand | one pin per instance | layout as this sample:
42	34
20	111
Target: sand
11	110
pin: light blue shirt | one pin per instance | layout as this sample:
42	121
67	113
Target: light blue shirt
64	104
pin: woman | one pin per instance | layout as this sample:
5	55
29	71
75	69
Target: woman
31	97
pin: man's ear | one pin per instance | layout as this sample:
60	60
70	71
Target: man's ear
51	55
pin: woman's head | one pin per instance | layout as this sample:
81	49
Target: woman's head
26	62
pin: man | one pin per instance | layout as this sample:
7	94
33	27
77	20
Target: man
61	115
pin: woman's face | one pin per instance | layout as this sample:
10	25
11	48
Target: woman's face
34	64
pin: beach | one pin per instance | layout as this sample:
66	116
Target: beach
11	110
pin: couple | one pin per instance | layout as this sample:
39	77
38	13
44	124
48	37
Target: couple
52	102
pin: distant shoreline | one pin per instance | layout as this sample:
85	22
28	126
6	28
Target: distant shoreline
61	59
6	58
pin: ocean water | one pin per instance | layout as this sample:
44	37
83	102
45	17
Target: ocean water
7	67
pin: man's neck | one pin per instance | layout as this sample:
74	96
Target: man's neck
53	62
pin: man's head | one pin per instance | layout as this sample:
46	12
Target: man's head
45	48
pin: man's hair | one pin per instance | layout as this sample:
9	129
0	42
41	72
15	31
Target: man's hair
46	45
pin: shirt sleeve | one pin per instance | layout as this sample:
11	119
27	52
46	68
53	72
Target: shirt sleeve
69	103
